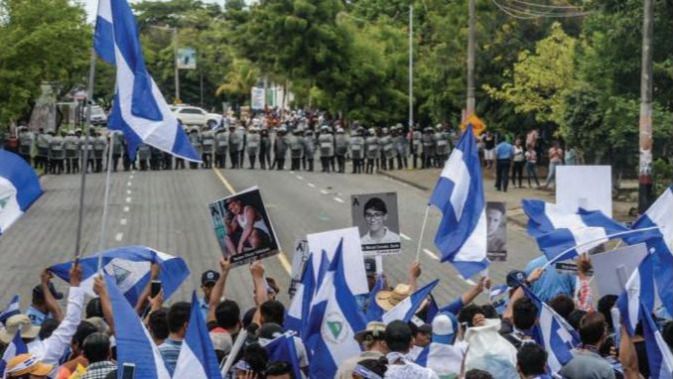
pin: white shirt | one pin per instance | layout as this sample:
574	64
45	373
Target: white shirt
400	367
446	359
50	350
388	237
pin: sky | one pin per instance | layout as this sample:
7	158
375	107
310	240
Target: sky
92	6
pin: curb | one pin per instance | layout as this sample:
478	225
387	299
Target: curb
405	181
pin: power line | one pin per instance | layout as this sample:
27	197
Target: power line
521	11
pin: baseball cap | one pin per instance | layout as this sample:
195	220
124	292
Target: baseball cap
515	278
444	328
209	276
38	293
24	364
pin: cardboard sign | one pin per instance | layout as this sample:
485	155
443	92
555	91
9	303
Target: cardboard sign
376	218
243	228
615	267
496	217
587	187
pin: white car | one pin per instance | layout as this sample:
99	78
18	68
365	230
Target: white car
195	116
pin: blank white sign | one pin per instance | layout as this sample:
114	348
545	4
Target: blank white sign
588	187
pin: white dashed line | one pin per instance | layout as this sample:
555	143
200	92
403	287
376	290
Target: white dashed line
119	237
123	221
431	254
324	192
128	199
127	209
292	172
300	177
128	184
339	200
311	185
128	192
468	281
406	237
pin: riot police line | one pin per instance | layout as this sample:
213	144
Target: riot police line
233	145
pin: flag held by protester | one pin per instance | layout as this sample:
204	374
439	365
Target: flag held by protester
130	266
19	188
459	195
659	355
374	311
638	292
282	349
13	308
139	109
16	347
407	308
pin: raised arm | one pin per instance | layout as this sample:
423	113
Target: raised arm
100	289
49	300
218	289
257	271
145	295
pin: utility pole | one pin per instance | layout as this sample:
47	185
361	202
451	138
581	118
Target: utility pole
177	70
645	195
411	66
470	60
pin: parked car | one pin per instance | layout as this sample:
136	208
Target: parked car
195	116
98	116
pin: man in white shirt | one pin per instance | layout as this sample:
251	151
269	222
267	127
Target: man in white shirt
398	338
376	215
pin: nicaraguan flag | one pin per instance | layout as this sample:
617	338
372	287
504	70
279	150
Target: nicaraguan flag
134	343
553	333
407	308
197	357
333	321
374	311
16	347
459	195
19	188
558	231
660	215
139	109
282	349
296	319
13	308
639	292
130	266
659	354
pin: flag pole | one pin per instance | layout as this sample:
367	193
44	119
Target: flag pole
85	156
106	198
627	232
420	238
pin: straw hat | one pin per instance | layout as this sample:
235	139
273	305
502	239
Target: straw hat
19	322
389	299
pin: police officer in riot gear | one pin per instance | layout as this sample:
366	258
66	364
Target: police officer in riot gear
386	145
372	146
357	150
42	157
264	149
326	145
207	147
402	147
56	154
253	141
235	142
308	145
296	149
72	148
99	145
341	143
417	145
221	148
195	140
143	156
280	149
26	142
442	147
428	147
117	149
155	158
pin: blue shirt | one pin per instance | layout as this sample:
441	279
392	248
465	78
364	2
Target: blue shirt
504	150
203	306
551	283
170	350
36	316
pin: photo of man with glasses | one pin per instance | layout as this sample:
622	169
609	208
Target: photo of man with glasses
378	227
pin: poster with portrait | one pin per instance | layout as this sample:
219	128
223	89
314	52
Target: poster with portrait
243	228
496	217
376	217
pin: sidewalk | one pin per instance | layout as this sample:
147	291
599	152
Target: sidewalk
425	180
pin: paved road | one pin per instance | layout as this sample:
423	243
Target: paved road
167	210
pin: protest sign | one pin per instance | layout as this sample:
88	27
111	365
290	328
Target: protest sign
615	267
573	182
243	228
301	255
376	218
496	215
352	253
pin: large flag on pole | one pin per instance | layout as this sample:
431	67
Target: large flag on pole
659	355
139	109
301	302
333	321
459	195
639	292
19	188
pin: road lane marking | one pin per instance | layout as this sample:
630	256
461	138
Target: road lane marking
281	255
431	254
128	192
311	185
468	281
324	192
127	209
406	237
119	237
292	172
339	200
300	177
128	184
128	199
123	221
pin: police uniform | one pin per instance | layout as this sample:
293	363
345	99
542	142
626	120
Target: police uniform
207	147
87	151
221	148
42	157
402	148
264	149
296	149
26	142
279	149
253	139
341	143
235	141
417	145
442	146
195	140
428	147
143	156
387	149
156	156
99	145
241	148
308	145
56	154
357	149
326	145
372	146
72	148
117	140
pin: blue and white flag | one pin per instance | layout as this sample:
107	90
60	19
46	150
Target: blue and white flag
130	266
659	355
139	109
197	357
553	333
296	319
407	308
16	347
558	231
333	321
459	195
374	311
282	349
19	188
134	343
639	292
13	308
